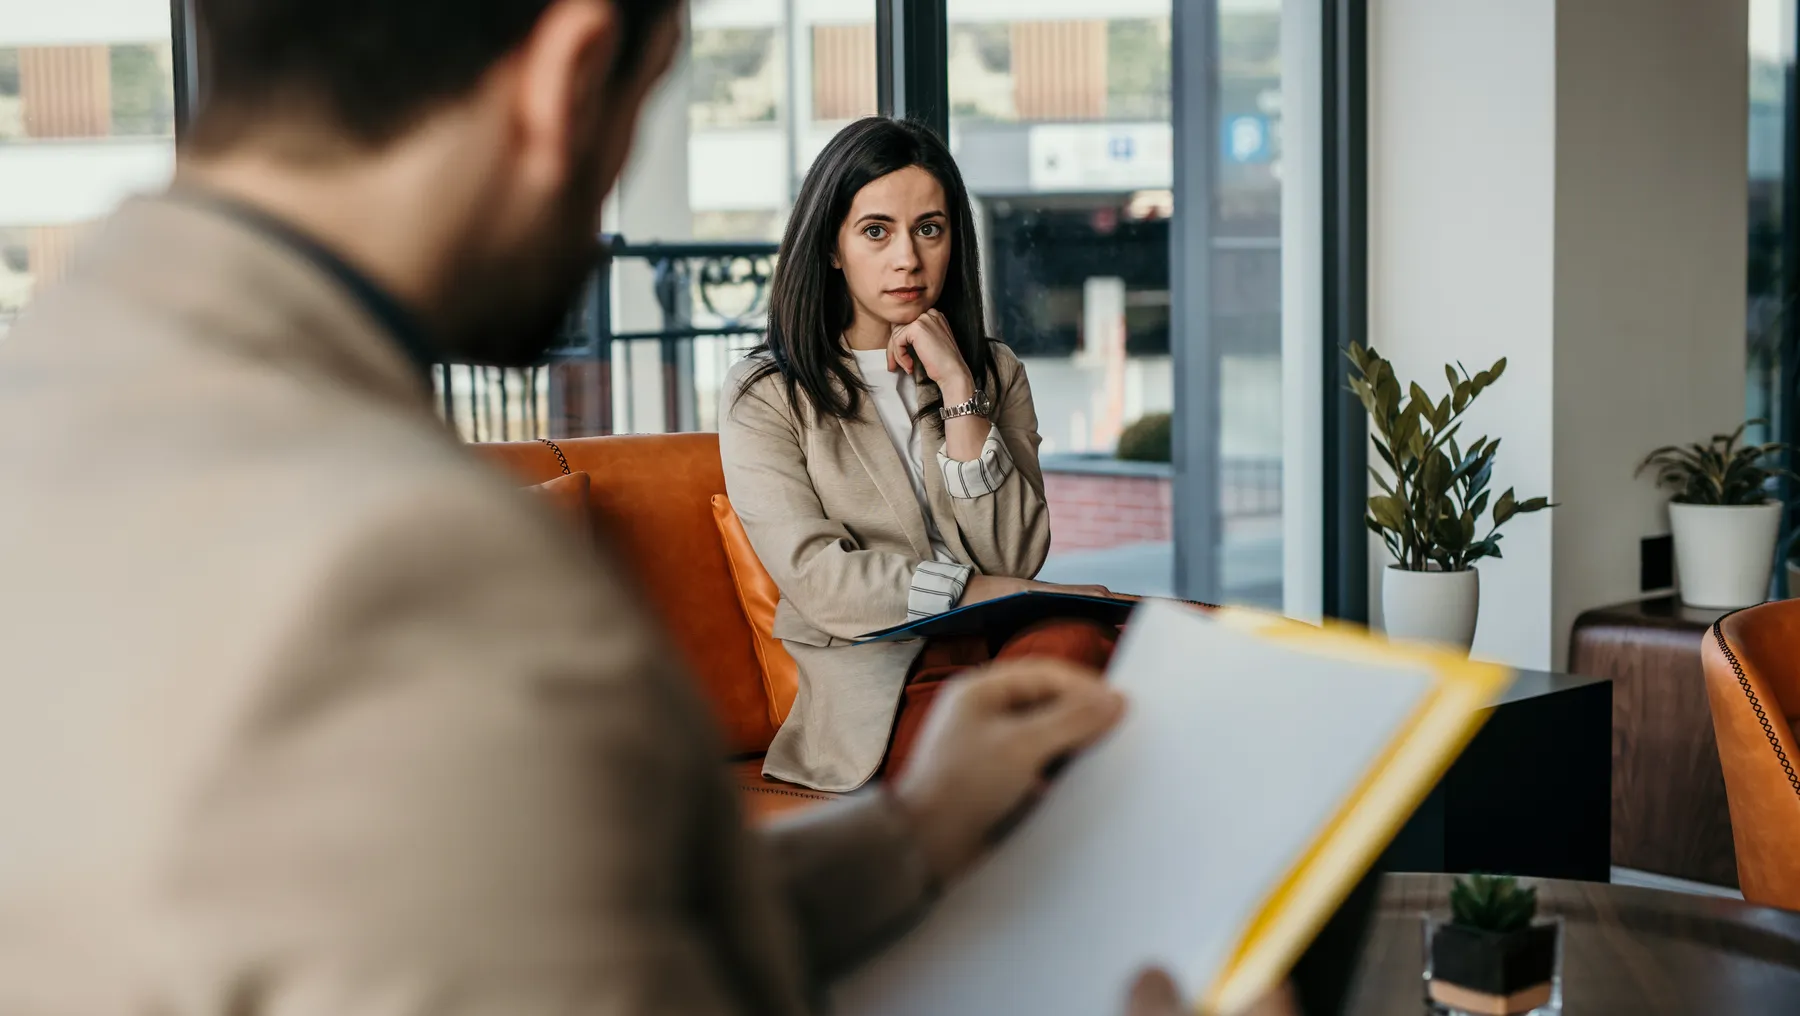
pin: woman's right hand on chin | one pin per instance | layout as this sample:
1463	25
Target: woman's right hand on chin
992	587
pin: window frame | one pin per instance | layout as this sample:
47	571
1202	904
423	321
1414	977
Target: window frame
913	68
912	64
184	45
912	61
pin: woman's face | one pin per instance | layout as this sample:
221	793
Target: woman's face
894	246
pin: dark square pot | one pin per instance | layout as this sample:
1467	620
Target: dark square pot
1491	962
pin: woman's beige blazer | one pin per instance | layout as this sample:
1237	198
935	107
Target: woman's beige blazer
831	513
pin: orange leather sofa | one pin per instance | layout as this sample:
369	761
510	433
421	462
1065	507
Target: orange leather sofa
650	498
1752	664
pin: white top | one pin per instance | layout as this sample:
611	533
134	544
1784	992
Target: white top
897	404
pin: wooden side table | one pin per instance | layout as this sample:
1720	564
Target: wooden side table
1668	794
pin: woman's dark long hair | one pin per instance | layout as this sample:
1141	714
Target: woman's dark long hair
809	302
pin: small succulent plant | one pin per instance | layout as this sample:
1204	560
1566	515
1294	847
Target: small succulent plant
1496	903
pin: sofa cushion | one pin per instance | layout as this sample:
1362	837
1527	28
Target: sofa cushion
758	595
651	503
567	496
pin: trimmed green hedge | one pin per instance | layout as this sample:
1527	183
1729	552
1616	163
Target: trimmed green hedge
1148	440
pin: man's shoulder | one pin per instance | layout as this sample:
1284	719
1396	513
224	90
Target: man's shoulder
278	482
408	477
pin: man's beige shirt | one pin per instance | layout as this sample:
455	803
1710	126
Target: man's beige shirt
304	713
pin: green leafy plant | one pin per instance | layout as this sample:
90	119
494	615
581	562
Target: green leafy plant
1496	903
1430	506
1148	440
1718	471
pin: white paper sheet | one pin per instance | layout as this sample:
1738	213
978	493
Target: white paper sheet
1157	846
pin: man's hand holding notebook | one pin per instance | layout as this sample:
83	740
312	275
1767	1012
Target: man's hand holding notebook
1260	768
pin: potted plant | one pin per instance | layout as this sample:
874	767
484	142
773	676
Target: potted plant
1432	499
1722	515
1493	957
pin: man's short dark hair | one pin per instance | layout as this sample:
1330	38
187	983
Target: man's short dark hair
371	69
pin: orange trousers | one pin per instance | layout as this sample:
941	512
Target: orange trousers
1085	642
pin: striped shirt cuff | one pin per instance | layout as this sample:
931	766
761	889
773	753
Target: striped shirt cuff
936	587
981	475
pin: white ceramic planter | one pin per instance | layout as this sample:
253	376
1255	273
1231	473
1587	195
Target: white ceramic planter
1431	606
1723	553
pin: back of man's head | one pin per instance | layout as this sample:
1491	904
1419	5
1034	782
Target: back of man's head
366	70
457	151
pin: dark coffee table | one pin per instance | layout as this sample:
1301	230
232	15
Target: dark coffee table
1529	794
1628	951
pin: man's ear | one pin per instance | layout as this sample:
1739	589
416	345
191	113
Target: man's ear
562	71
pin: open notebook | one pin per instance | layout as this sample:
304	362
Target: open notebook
1260	771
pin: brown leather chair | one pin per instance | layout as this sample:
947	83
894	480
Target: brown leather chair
651	500
1752	662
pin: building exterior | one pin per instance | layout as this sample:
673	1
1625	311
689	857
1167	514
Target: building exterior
1060	122
87	115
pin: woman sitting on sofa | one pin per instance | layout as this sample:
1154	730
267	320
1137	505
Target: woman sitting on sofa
881	452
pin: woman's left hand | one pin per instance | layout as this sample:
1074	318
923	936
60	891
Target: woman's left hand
929	341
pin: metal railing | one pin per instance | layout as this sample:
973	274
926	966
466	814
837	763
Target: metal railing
713	304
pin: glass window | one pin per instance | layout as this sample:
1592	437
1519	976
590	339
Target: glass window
1137	69
981	78
843	75
742	177
1771	64
720	152
87	116
1247	302
1768	314
1061	119
1061	126
737	76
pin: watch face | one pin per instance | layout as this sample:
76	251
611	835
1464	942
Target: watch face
978	405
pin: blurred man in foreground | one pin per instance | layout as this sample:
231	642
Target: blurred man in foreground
303	712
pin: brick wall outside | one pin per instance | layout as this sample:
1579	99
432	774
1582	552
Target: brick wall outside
1094	512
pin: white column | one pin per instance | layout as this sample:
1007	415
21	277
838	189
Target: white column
1562	182
1650	241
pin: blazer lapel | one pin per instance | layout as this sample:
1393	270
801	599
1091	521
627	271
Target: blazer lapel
882	461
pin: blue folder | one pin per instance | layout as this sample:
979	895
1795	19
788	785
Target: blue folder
1007	614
